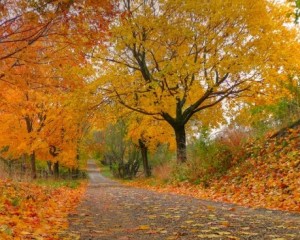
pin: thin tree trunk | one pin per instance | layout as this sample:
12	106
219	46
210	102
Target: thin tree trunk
180	143
75	173
56	169
32	155
49	163
23	165
10	169
33	166
144	152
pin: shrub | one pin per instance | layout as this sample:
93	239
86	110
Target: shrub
210	158
163	171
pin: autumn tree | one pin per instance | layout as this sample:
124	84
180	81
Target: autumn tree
148	133
23	23
145	132
42	59
179	60
37	114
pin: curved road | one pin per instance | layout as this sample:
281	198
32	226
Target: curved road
114	211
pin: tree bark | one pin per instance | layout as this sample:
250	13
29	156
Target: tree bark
75	173
56	169
49	163
33	166
23	165
180	143
144	152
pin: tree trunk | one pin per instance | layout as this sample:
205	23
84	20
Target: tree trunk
180	143
75	173
23	165
56	169
49	163
144	151
33	166
10	169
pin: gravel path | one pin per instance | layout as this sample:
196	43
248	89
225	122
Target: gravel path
114	211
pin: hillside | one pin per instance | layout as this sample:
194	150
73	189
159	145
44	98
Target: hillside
269	176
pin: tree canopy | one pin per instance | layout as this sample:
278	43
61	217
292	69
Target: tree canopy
177	60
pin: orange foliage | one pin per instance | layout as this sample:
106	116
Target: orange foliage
268	178
28	211
43	65
151	131
35	109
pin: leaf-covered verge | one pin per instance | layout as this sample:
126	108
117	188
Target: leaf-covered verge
269	177
36	211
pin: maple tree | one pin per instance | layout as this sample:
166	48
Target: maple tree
23	23
43	66
177	61
21	26
39	90
33	113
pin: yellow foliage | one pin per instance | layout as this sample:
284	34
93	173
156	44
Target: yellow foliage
179	60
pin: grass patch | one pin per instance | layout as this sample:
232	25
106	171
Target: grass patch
57	183
105	171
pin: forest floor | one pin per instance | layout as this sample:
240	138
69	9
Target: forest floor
111	210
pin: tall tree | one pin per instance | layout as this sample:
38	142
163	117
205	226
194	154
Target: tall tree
42	46
174	60
36	110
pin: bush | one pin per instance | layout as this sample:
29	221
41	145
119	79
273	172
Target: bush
162	156
211	158
163	172
127	169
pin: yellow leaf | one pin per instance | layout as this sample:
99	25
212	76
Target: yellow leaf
144	227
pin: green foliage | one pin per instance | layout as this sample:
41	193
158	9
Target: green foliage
120	153
161	155
97	155
274	116
180	173
297	11
16	201
127	169
106	171
277	114
209	159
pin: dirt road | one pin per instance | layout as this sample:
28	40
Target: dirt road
114	211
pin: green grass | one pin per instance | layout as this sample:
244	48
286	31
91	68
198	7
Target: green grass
57	183
105	171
